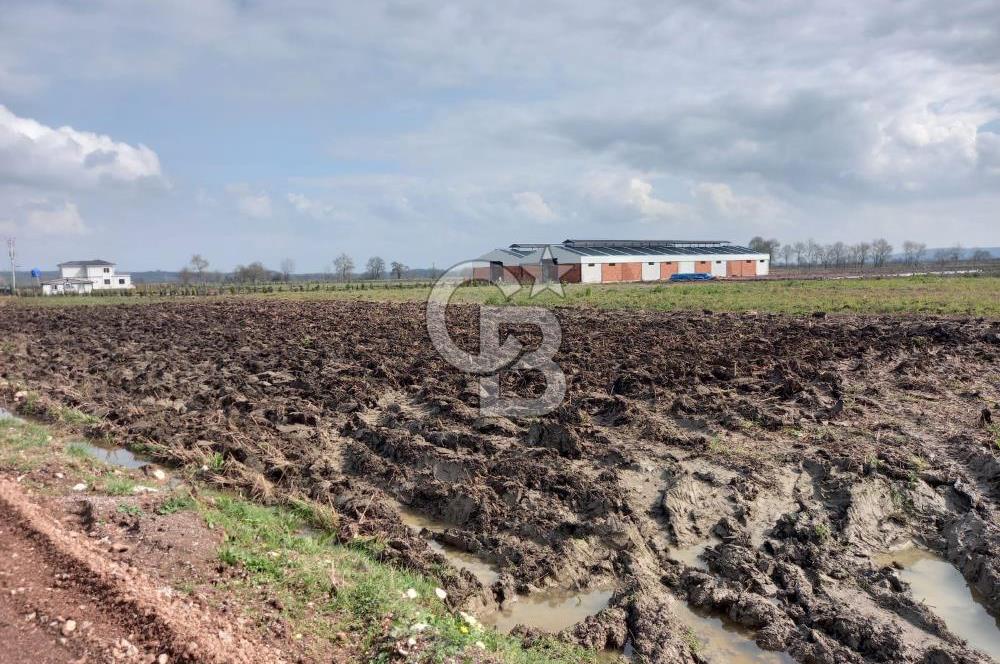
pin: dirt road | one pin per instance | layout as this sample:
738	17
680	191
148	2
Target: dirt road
64	599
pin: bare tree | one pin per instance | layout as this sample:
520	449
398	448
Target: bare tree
837	254
287	269
800	252
980	256
881	250
397	270
251	273
343	265
864	252
375	268
199	265
942	256
769	247
787	251
814	252
913	252
185	275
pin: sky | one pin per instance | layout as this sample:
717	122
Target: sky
430	132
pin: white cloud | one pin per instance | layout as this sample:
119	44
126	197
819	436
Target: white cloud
55	220
718	198
310	207
35	154
628	197
256	204
532	205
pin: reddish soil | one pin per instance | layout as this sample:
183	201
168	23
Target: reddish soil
804	445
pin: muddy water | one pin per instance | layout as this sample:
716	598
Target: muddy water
691	555
113	456
940	586
723	641
549	610
484	572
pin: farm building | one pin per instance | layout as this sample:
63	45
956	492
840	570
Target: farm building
82	277
609	261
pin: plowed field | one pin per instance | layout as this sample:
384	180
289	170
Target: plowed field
797	448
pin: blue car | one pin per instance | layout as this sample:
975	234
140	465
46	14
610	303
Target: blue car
691	276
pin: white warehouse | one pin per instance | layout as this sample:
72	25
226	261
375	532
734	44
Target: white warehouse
85	276
609	261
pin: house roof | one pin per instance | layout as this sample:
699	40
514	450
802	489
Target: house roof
94	262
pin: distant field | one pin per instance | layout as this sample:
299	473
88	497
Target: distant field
956	295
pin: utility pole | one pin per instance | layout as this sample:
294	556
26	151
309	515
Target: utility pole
13	277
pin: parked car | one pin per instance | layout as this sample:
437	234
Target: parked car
691	276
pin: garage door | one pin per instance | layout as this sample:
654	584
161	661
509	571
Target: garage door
704	267
668	268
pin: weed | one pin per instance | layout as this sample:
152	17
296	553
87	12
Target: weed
130	510
216	462
691	640
74	417
78	451
175	504
822	532
119	486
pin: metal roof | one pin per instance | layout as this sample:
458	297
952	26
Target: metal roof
91	263
633	248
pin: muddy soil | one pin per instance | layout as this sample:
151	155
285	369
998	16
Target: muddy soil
799	449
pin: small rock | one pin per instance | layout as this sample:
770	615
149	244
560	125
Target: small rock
60	475
411	593
441	594
162	659
80	487
68	627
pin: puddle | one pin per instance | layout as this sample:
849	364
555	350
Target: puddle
725	642
484	572
617	656
7	415
113	456
691	555
941	586
549	610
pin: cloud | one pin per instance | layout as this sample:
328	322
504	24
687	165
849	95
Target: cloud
532	205
252	203
35	154
55	220
625	198
310	207
718	198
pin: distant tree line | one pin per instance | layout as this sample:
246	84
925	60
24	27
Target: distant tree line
875	254
341	269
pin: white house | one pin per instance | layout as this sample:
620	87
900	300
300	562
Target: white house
86	276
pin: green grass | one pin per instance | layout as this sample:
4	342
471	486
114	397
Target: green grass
325	587
130	510
176	503
927	294
119	486
78	451
22	444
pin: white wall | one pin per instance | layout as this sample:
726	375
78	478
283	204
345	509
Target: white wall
718	268
71	272
590	273
763	267
685	267
650	272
